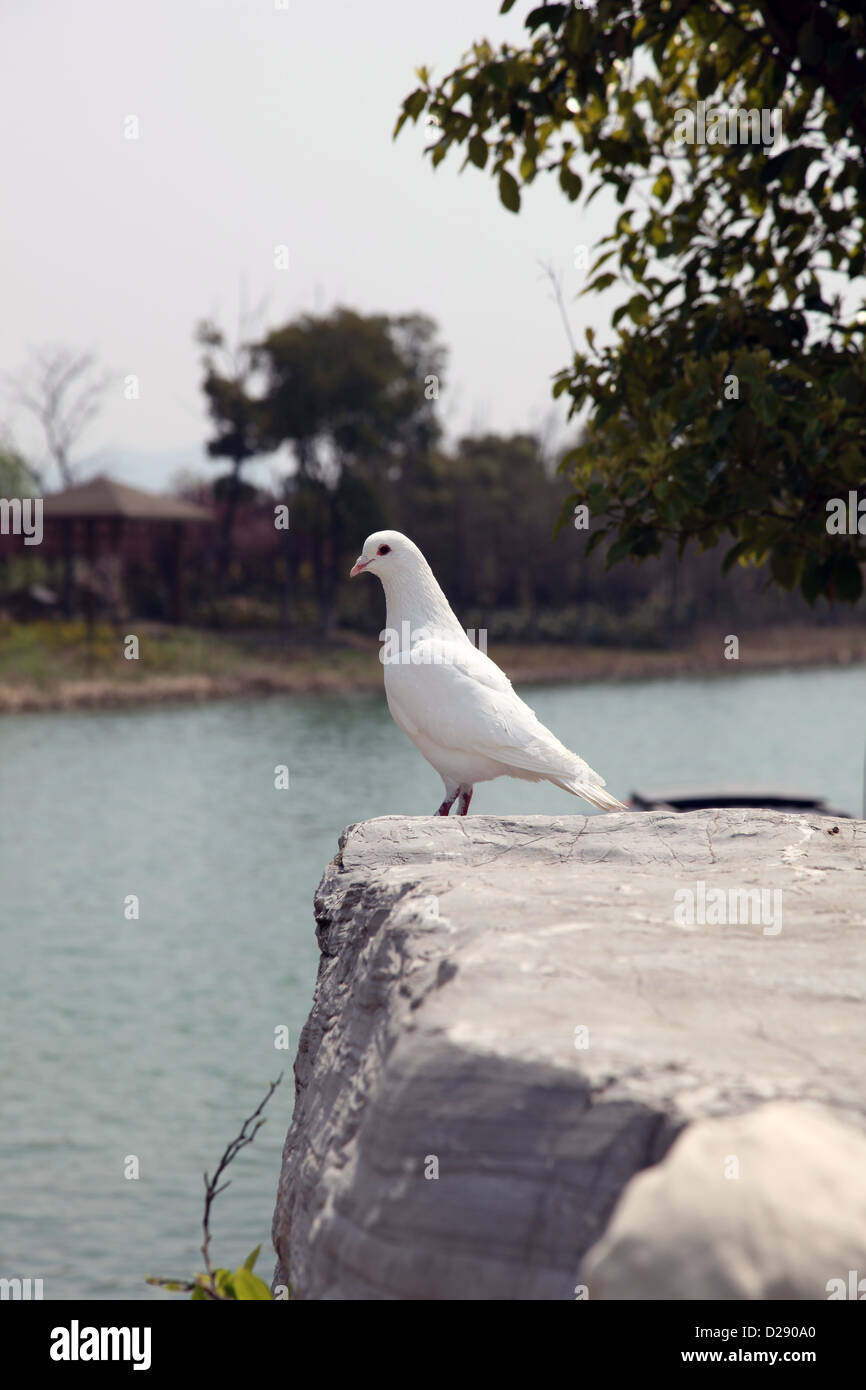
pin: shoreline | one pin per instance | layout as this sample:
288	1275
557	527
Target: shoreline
354	667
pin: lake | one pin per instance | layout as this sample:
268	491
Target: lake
152	1038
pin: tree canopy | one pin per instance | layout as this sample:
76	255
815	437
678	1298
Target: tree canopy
732	398
346	391
350	395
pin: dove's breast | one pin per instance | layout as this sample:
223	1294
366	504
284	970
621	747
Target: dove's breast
437	707
407	699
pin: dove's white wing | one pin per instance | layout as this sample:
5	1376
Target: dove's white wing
454	697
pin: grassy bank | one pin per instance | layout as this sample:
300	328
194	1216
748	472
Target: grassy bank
54	666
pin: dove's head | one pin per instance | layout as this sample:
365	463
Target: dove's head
388	554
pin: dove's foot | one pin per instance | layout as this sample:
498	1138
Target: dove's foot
446	806
465	798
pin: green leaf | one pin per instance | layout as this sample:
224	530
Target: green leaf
250	1261
638	308
249	1286
414	104
509	193
478	151
847	579
785	567
544	14
579	33
570	182
663	186
601	282
618	551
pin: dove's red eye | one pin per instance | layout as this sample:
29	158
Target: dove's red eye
384	550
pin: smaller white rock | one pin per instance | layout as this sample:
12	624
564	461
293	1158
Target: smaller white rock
792	1225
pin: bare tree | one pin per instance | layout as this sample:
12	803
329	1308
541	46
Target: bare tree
62	389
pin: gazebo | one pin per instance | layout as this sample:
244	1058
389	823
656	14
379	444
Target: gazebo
103	518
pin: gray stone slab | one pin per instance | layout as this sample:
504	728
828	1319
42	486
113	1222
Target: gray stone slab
524	1001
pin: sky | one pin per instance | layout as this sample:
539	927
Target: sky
261	123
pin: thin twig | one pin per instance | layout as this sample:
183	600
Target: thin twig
554	280
212	1189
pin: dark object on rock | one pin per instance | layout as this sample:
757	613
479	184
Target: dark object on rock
699	799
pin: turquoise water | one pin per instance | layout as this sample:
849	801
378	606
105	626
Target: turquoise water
154	1037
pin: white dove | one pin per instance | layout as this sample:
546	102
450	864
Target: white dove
454	703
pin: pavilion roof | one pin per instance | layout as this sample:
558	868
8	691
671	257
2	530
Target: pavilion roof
103	497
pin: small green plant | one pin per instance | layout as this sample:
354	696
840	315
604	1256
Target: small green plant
221	1285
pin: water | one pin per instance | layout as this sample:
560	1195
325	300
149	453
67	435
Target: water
154	1037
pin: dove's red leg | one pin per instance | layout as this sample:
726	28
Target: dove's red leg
446	806
465	798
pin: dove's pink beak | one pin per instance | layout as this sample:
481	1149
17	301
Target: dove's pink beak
359	565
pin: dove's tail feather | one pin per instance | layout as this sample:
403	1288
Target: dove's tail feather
594	794
567	771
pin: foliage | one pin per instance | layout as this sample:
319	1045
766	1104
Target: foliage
345	392
732	402
481	510
221	1285
226	385
232	406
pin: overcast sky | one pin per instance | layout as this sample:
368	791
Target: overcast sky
260	126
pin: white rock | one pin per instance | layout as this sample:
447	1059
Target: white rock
770	1204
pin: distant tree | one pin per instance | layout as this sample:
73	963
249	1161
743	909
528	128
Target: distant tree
732	402
347	393
229	370
62	389
485	515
